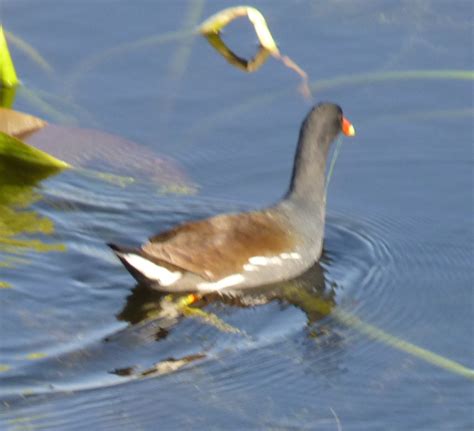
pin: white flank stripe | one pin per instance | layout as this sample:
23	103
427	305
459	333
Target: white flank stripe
152	271
249	267
230	280
262	260
258	260
290	256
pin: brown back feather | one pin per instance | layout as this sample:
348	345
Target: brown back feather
217	247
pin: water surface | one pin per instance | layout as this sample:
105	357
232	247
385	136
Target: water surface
79	346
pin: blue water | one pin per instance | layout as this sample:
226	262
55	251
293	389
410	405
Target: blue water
82	346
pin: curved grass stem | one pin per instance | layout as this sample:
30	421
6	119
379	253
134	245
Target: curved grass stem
262	100
377	334
30	52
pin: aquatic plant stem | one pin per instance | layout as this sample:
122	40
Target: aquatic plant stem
335	154
377	334
262	100
30	52
348	319
96	59
179	61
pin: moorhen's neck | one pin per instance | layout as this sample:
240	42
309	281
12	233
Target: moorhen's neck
307	187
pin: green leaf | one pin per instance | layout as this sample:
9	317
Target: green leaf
14	148
8	76
7	96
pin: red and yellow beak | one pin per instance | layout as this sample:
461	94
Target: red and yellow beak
347	127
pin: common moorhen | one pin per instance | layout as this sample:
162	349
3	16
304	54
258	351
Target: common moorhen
236	251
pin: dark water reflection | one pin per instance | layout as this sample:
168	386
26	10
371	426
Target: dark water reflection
82	346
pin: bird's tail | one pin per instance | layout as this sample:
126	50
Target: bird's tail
125	255
144	269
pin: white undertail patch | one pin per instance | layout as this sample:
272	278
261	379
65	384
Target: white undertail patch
151	270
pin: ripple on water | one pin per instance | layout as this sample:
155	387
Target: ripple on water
369	259
382	263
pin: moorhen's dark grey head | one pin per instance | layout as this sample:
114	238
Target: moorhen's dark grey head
323	123
319	129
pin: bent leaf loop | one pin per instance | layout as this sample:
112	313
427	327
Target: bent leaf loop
212	27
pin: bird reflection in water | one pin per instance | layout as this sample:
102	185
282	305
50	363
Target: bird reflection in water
153	315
